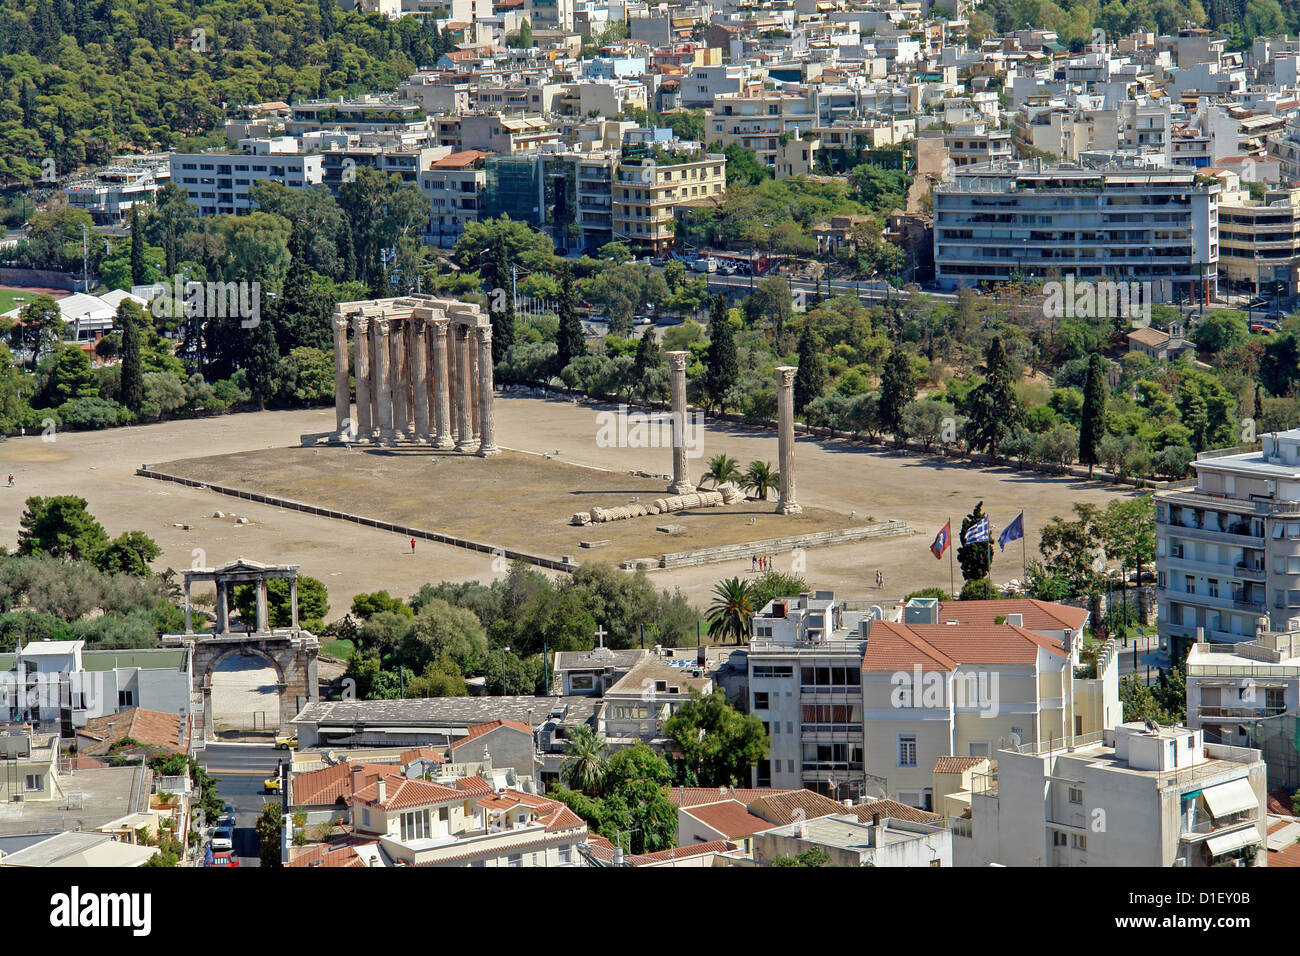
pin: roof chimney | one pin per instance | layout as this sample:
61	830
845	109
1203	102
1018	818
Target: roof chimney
358	774
379	788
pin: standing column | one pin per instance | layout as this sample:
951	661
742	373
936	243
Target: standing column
475	392
420	376
223	615
441	387
487	444
342	392
189	611
464	418
261	605
293	602
787	504
453	385
681	481
397	376
361	340
383	389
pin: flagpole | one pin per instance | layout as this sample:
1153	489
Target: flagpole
952	575
1024	561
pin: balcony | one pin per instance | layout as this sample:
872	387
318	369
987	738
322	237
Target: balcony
1251	572
1241	713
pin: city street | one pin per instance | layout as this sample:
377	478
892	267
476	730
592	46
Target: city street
241	770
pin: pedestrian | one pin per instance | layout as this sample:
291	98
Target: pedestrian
753	563
11	479
412	546
880	580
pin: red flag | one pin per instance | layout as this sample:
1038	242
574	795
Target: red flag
942	540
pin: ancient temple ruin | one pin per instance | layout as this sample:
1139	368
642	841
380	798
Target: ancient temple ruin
423	369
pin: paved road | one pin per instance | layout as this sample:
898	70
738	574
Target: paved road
240	770
1147	655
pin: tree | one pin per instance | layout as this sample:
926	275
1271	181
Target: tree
130	320
62	527
975	559
270	833
1069	550
769	303
1092	428
366	606
262	367
584	764
570	341
40	327
440	631
721	371
730	613
978	589
897	389
761	477
128	553
812	857
992	409
718	742
1128	531
313	603
139	269
647	367
722	469
810	379
924	419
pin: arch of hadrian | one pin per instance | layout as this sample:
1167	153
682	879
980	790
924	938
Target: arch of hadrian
423	369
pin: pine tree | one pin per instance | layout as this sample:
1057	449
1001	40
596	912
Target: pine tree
810	380
1092	424
648	357
992	407
897	389
139	270
129	318
570	341
260	367
721	368
975	559
303	308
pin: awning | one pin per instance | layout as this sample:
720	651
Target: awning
1232	841
1229	798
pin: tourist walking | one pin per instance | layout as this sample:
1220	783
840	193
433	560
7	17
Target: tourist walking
412	546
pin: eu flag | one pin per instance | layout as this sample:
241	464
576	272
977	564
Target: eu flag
1012	531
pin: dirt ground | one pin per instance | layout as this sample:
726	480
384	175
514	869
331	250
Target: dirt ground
465	495
837	475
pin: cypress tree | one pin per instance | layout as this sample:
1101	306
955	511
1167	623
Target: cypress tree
132	387
810	380
897	388
992	406
570	341
721	368
1092	424
260	367
139	270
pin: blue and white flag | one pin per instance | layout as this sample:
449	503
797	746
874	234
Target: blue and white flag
1012	532
977	532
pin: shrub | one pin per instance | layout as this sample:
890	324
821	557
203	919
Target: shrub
92	413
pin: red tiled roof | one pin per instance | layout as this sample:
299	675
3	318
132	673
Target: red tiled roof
478	730
891	808
421	753
896	646
341	853
403	793
473	786
780	809
1038	615
459	160
152	728
698	796
957	764
682	852
1287	856
332	784
730	818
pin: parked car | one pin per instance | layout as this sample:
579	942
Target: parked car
224	858
223	838
272	784
705	265
286	742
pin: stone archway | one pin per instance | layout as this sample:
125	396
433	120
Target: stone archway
232	706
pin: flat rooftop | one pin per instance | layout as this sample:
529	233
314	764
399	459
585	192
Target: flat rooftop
89	799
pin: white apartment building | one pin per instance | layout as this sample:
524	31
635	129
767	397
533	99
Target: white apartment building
218	183
110	192
758	120
550	15
970	144
454	186
1125	225
703	83
1132	796
1228	550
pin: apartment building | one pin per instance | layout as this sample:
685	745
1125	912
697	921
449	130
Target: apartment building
970	144
805	685
634	709
1228	550
1135	795
1144	225
110	192
388	113
217	183
759	120
454	186
551	15
1260	241
706	81
651	181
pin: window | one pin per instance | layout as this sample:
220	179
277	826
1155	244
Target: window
1076	795
126	698
515	859
415	826
761	701
1079	841
566	855
34	781
978	750
1058	838
907	750
1213	585
582	682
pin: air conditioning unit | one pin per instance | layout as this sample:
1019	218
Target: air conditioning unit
1176	550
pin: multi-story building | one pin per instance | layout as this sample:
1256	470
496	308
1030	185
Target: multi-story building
652	180
634	709
551	15
365	114
759	120
217	183
1228	550
1260	241
1135	795
110	192
971	144
1125	225
454	186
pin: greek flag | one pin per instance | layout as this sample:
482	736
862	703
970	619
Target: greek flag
977	532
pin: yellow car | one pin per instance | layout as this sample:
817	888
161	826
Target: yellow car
272	784
287	742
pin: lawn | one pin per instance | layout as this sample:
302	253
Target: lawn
7	298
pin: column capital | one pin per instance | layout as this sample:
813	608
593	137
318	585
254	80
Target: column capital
439	325
785	375
484	333
362	324
679	360
340	323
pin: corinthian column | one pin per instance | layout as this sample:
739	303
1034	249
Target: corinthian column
420	374
383	385
361	341
376	396
476	396
342	399
487	444
681	481
441	387
787	504
397	379
464	392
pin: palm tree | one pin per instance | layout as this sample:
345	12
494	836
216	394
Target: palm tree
721	470
730	614
584	767
762	477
